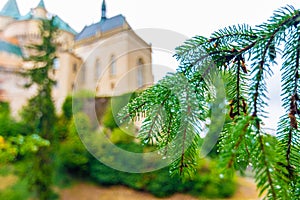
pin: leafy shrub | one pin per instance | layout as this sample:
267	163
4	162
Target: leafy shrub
72	156
67	108
113	109
160	183
72	153
8	126
108	119
16	192
120	135
103	174
210	183
206	183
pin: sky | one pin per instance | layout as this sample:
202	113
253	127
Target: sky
189	17
184	18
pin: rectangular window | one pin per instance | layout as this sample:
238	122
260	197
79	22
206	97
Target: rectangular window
140	76
56	64
56	84
74	68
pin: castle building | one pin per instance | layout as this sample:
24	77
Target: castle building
116	59
106	57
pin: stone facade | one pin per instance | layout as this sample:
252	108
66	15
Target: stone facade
107	57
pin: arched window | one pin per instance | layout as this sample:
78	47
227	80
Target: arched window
74	67
113	67
97	69
55	66
56	63
140	72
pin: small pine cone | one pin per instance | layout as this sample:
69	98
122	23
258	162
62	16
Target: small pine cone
293	121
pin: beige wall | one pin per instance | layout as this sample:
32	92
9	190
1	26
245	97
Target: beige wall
65	41
140	50
12	83
22	28
4	21
127	48
65	75
14	91
74	58
39	12
28	32
10	61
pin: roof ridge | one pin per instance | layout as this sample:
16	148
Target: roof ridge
61	23
102	26
116	16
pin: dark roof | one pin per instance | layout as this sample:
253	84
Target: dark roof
10	9
10	48
102	26
41	4
61	24
26	17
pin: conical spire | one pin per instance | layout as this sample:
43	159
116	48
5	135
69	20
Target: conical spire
103	16
41	4
10	9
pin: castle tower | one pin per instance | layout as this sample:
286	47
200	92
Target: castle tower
10	12
103	13
116	59
40	10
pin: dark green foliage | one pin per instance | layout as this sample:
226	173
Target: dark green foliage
161	184
9	127
4	109
72	158
16	192
15	142
67	108
120	135
72	161
72	154
171	115
108	119
206	183
243	57
39	114
103	174
209	183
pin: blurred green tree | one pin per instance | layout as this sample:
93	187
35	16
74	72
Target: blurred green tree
39	115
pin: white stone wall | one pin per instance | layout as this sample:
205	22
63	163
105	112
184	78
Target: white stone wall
127	48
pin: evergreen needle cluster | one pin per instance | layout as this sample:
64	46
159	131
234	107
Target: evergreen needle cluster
180	106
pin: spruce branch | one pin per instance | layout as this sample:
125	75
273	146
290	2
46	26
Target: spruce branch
233	52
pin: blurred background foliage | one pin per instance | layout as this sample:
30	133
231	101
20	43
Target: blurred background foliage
74	163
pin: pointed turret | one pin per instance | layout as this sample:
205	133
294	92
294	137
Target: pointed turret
40	10
41	4
103	15
10	9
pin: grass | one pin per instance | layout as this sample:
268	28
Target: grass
6	177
